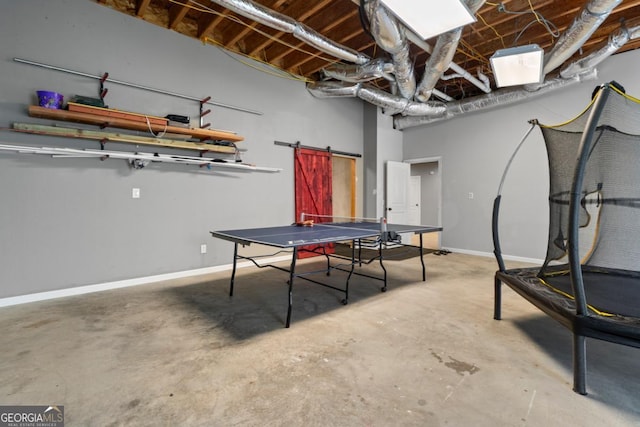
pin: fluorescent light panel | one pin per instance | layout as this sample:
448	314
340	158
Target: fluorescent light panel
429	18
517	65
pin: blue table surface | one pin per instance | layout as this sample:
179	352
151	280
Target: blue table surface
289	236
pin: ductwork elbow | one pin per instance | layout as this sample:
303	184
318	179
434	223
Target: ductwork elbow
438	63
584	65
333	89
441	57
360	73
392	104
390	36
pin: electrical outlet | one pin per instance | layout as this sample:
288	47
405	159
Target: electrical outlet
470	195
135	193
203	248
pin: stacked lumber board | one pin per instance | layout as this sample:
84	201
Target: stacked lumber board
123	123
112	112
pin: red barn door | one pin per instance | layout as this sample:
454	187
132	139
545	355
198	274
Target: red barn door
313	176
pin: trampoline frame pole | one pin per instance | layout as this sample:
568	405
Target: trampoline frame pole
497	299
579	364
577	281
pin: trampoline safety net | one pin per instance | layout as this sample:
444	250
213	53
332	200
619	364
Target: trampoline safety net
590	279
609	213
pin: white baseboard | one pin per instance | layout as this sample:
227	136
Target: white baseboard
491	255
80	290
87	289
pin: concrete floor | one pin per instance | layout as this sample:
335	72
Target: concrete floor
181	353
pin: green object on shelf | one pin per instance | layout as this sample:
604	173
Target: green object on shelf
86	100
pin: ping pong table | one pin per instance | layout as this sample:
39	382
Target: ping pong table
297	236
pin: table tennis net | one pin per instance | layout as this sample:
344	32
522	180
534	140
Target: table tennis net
318	219
385	237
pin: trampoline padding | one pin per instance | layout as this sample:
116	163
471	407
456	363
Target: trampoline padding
607	292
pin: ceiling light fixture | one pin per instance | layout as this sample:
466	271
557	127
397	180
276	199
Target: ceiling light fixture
431	18
517	65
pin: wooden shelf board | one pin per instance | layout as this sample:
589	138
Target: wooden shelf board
119	137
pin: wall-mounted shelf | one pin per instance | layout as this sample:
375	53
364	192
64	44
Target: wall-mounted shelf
103	137
136	160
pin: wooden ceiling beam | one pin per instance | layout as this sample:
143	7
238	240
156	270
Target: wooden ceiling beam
301	14
339	21
251	28
177	13
326	30
206	24
141	7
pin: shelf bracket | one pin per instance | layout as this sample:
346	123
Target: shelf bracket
203	112
103	90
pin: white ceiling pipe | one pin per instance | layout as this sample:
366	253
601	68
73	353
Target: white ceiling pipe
415	39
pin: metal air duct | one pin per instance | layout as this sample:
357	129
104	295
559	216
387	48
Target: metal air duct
392	104
590	18
286	24
615	42
441	57
492	100
390	36
372	70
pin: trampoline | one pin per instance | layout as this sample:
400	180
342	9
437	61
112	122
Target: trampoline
590	279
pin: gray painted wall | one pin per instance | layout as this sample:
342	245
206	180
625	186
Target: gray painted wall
381	143
72	222
389	148
475	150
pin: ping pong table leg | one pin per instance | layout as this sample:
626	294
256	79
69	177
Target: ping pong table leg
291	276
233	271
424	274
384	288
326	255
345	301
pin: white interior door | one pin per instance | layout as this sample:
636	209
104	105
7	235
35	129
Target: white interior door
397	194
